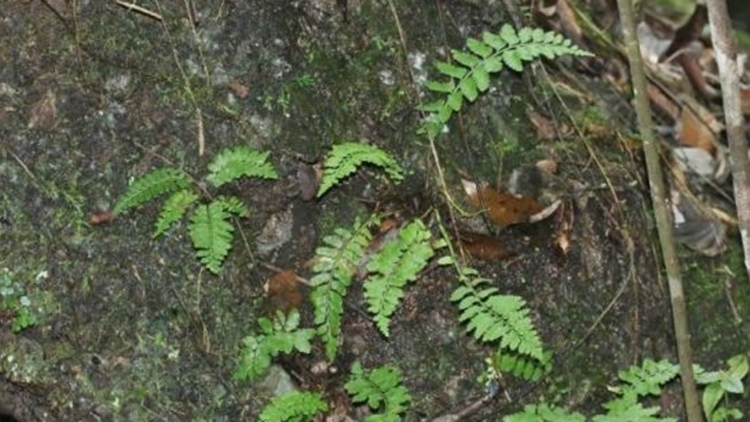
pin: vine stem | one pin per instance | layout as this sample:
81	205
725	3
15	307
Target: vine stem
661	211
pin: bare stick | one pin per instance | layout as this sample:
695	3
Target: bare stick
139	9
725	48
662	213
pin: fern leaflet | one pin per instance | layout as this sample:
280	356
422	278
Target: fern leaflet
544	413
281	335
469	74
344	159
231	164
294	406
212	232
381	389
398	262
173	210
335	266
150	186
490	316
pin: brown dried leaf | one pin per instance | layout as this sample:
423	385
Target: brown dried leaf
482	246
503	209
283	292
697	127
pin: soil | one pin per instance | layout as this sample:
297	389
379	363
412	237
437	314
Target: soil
94	94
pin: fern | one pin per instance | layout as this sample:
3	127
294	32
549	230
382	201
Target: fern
231	164
173	210
522	366
381	389
150	186
398	262
293	406
279	336
212	232
344	159
490	316
544	413
336	263
469	74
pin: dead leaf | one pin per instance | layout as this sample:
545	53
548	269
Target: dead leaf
283	292
239	89
101	218
482	246
697	127
503	209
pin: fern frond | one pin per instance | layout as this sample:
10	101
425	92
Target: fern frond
212	232
281	335
150	186
398	262
381	389
294	406
335	266
344	159
173	210
545	413
469	74
490	316
231	164
522	366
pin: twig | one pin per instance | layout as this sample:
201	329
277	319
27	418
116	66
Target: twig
725	49
139	9
661	211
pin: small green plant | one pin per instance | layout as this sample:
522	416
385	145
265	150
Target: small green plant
344	159
294	406
16	302
469	74
210	227
281	335
381	389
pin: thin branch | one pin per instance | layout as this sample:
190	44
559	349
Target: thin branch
661	211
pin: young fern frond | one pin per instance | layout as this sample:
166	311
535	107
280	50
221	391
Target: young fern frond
212	232
469	74
398	262
150	186
173	210
231	164
293	406
336	263
491	316
381	389
345	159
522	366
282	335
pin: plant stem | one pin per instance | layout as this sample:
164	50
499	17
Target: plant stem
725	49
661	211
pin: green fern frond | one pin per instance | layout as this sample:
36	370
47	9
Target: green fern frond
469	74
294	406
173	210
633	412
345	159
398	262
336	263
490	316
545	413
150	186
281	335
522	366
381	389
212	232
231	164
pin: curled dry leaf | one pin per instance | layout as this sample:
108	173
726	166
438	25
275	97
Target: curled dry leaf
503	209
283	292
